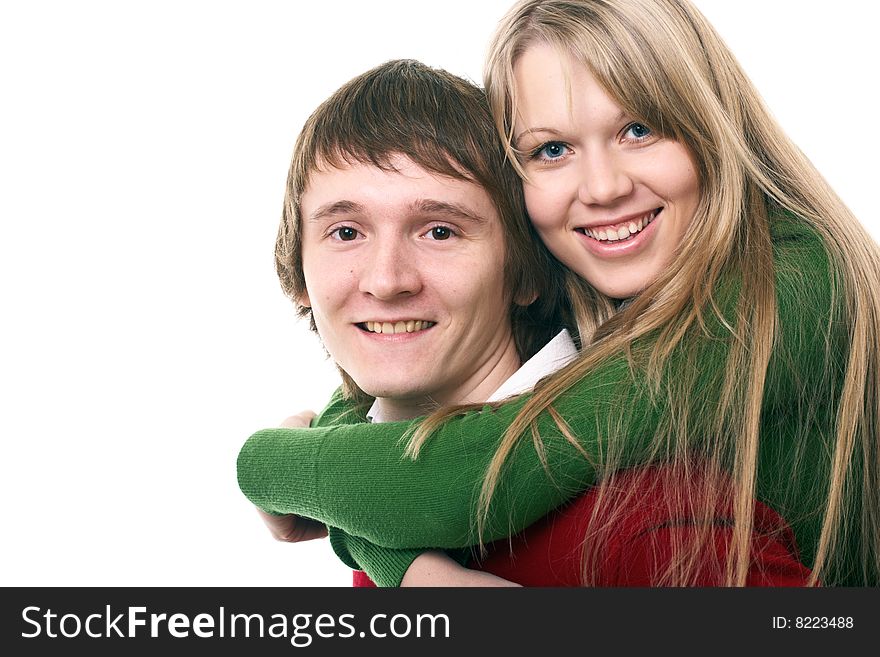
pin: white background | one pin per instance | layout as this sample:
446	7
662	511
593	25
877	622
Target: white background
143	152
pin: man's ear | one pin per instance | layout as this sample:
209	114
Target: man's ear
303	299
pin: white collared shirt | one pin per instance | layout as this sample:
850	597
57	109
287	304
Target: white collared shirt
554	355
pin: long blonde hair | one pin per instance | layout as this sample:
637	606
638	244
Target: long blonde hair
664	64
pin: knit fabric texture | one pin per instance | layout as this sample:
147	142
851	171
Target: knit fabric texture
385	508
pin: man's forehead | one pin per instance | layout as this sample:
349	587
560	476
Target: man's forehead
393	162
359	187
425	156
423	206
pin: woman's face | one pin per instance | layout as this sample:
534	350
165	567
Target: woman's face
609	197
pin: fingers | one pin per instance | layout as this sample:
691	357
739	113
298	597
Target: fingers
292	529
308	529
300	420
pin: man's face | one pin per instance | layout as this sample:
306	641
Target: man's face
404	275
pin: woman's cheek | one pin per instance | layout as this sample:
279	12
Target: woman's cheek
543	206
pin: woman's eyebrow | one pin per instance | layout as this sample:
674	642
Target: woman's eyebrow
622	115
336	208
528	131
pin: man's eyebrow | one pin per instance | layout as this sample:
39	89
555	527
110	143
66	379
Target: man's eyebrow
336	208
451	209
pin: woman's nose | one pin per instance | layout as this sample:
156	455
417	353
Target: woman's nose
603	180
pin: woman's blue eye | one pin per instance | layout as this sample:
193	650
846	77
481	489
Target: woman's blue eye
441	232
346	233
638	130
552	150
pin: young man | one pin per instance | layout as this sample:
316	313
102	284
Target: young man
404	239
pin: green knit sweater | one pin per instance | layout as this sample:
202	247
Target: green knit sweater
353	476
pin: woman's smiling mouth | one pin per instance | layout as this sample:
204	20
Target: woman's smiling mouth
622	231
624	243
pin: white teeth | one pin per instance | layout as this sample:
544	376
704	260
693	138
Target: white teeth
625	231
407	326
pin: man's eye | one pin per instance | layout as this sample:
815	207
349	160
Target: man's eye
441	233
345	234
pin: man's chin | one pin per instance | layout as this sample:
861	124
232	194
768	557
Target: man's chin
401	394
395	394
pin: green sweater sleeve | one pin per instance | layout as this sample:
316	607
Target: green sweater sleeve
385	566
356	478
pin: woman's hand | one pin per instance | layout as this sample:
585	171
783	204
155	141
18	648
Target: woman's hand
435	568
301	420
291	528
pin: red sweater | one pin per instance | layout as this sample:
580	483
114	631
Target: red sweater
638	546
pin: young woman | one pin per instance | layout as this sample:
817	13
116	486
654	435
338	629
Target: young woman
727	304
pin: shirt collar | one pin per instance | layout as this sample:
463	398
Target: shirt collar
554	355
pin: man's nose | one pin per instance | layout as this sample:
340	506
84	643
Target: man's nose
391	270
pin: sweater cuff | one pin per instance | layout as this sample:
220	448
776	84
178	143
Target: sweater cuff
385	566
270	462
339	543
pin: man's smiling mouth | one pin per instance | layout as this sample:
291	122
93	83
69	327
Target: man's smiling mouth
401	326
